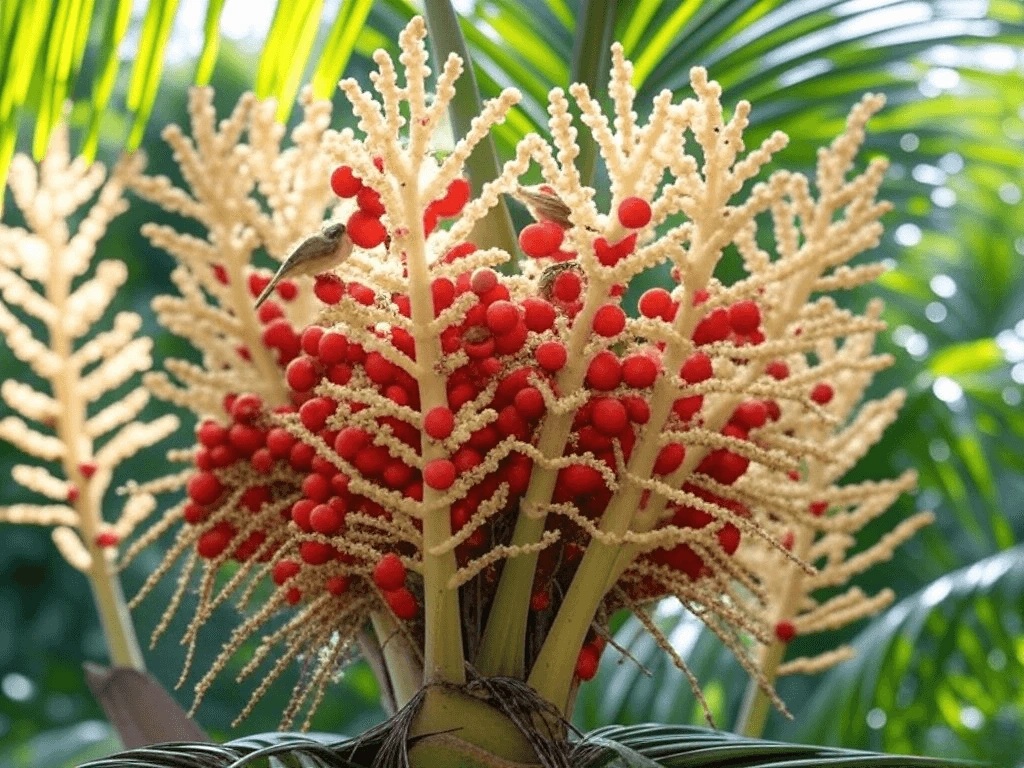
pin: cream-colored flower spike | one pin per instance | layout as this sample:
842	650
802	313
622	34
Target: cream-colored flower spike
49	280
228	169
484	467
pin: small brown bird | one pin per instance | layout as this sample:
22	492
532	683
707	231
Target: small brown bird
317	253
544	205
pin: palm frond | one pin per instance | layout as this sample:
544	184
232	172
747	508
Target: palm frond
942	669
275	750
640	746
680	746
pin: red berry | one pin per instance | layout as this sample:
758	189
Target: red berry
439	474
336	585
314	412
609	416
403	603
502	317
696	368
483	280
316	553
87	468
389	573
729	538
280	335
369	202
246	407
439	422
287	290
713	327
204	488
669	458
785	631
365	230
541	239
329	288
325	519
301	374
529	402
301	511
579	479
639	371
539	314
223	456
213	542
540	601
262	460
551	356
604	372
609	320
379	369
211	434
344	182
655	303
107	539
818	508
293	596
301	456
269	311
332	348
751	414
442	291
777	370
567	287
454	199
744	316
284	570
822	393
310	340
611	254
634	213
637	408
316	487
257	282
587	662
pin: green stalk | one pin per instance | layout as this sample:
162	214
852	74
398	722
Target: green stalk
591	59
495	229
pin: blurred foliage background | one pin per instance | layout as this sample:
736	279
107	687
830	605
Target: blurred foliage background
942	671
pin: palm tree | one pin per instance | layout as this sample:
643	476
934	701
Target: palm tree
953	131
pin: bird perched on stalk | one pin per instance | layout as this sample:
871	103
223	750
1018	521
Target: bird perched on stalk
544	204
317	253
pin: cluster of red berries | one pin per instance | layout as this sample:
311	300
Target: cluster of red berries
514	357
494	328
221	447
364	225
543	239
248	440
389	574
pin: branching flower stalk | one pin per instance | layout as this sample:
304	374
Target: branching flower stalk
483	467
88	442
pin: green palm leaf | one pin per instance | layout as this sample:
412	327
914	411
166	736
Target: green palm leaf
644	746
943	669
679	746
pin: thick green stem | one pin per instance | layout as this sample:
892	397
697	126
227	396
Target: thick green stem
756	705
495	229
400	660
503	646
443	659
552	673
118	631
